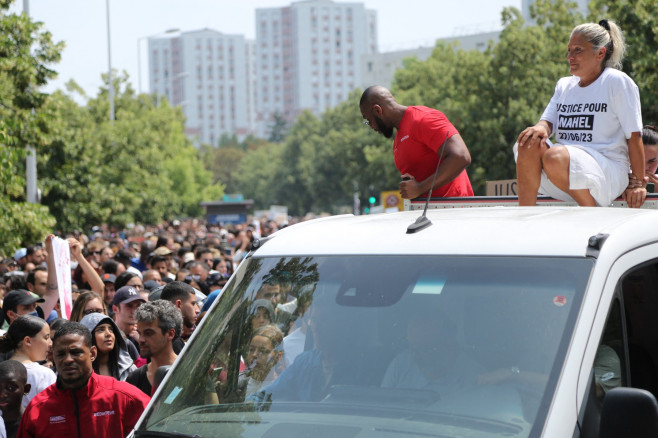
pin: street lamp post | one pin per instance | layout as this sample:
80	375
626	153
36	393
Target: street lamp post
31	159
109	61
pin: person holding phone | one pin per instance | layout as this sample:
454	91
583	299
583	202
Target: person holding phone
425	139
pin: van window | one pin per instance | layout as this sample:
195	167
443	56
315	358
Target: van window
640	309
330	346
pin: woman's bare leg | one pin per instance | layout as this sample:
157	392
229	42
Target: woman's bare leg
528	172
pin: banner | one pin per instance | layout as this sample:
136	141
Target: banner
63	270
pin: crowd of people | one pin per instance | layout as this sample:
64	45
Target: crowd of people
137	296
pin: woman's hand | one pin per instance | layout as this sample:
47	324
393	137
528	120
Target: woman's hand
652	178
636	192
533	136
635	197
76	248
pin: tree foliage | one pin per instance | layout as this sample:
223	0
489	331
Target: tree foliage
139	168
320	163
638	20
278	128
26	52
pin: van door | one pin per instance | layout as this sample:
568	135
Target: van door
625	350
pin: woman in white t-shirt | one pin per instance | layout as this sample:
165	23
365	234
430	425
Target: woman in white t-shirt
29	337
596	119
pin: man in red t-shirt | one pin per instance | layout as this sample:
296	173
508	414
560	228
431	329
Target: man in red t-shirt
421	132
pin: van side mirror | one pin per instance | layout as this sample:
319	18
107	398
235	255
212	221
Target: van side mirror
629	412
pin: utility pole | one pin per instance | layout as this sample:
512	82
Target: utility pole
109	61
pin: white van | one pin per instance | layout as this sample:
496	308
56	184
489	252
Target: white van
491	322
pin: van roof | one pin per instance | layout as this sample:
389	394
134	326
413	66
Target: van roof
531	231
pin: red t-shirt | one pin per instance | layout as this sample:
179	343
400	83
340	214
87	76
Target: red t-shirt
415	149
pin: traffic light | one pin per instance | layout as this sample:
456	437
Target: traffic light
372	199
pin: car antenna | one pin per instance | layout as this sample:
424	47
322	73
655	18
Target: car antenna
423	222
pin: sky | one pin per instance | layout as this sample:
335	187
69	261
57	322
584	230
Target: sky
82	25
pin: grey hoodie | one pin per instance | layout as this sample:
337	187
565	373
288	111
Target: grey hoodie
126	365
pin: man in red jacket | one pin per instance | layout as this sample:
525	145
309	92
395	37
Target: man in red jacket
81	403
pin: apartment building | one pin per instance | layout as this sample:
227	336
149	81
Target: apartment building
209	75
308	56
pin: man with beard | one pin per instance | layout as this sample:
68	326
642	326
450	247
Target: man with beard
81	402
183	297
158	324
417	147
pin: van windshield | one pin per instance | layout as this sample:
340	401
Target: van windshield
376	345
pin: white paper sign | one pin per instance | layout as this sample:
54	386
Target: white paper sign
63	270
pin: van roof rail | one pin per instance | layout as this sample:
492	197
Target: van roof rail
508	201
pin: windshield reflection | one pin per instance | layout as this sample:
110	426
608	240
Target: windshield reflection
467	342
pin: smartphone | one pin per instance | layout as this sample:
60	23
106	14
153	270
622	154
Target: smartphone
216	372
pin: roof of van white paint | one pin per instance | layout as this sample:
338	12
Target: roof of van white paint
545	231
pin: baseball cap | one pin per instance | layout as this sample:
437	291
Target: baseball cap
20	253
17	297
155	293
109	278
123	255
150	285
125	295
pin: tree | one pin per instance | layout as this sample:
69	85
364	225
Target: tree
256	176
278	128
26	51
139	168
638	20
349	154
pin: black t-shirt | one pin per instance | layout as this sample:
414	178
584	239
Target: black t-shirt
138	378
177	345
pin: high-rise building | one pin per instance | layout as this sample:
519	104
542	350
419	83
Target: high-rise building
209	75
380	68
525	8
308	56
